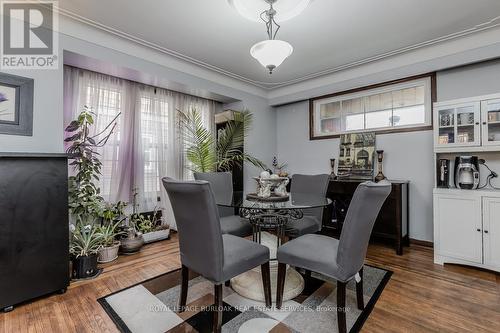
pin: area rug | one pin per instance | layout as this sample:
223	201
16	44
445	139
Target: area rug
151	306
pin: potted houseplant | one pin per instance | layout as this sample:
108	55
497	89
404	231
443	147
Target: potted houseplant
133	241
110	230
84	197
85	243
110	246
209	153
152	227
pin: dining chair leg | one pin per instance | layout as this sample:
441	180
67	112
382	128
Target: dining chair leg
184	288
359	291
227	283
280	287
341	310
266	281
217	319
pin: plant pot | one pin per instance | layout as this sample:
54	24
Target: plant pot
154	236
131	244
108	254
84	267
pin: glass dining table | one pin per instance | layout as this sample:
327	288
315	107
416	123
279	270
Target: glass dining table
269	218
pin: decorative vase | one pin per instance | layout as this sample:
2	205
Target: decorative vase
132	243
108	254
380	175
84	267
332	165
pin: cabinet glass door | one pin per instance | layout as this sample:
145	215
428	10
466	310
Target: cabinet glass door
491	122
458	125
446	125
465	125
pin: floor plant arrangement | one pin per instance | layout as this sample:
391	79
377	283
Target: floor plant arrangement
93	228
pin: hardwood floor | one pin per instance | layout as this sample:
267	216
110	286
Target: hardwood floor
420	297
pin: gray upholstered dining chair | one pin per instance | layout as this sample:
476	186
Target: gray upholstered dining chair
312	220
222	186
204	249
339	259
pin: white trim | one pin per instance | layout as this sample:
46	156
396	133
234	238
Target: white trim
467	100
272	85
426	82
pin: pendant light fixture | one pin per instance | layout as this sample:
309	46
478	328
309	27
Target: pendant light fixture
272	52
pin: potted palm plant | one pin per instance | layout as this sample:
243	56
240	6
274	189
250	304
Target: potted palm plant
209	154
86	241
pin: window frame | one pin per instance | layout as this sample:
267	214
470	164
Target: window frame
372	90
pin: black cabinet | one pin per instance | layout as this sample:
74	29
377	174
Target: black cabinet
34	236
393	220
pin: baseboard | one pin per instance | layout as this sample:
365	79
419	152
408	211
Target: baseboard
421	242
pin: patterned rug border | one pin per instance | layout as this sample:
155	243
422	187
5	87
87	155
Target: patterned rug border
120	324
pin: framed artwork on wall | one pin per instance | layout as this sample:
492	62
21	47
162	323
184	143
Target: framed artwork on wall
16	105
357	151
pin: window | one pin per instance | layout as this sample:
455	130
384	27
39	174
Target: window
107	105
145	145
389	107
154	140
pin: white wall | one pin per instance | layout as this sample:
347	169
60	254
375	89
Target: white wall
468	81
283	133
406	155
474	80
47	115
107	48
261	140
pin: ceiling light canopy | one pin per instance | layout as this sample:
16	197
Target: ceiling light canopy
285	9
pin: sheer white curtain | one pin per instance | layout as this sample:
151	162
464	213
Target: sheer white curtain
107	96
161	153
145	145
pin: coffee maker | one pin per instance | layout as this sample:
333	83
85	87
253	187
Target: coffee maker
443	173
466	172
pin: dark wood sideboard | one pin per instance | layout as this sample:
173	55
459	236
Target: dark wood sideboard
393	220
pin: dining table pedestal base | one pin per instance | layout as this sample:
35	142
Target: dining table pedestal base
249	284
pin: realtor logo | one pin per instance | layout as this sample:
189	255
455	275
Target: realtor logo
29	38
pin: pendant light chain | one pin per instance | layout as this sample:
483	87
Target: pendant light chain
268	17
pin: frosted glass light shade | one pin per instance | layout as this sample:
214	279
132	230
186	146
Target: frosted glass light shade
271	53
285	9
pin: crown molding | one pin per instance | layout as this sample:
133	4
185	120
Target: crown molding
78	18
493	23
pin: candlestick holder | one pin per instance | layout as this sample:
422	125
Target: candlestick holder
332	165
380	175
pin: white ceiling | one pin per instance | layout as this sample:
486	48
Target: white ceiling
328	35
